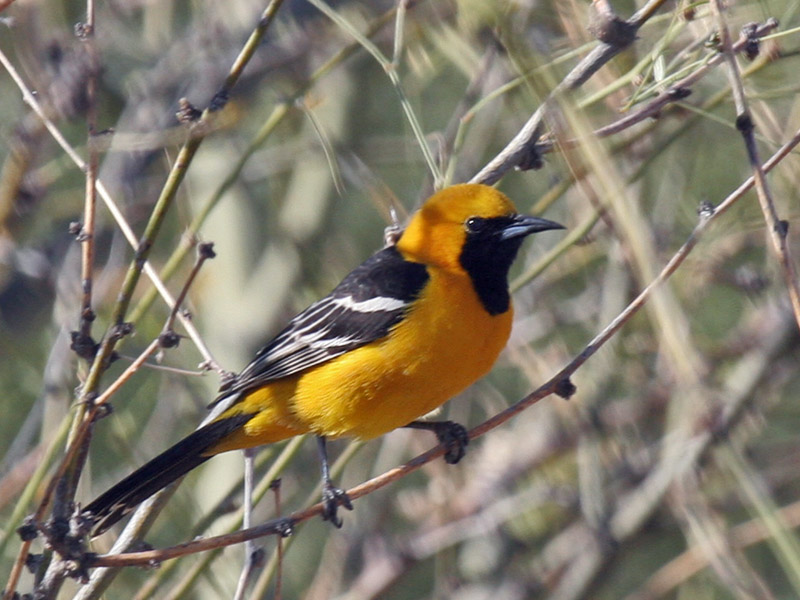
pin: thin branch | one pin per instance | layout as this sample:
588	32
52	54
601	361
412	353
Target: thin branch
690	562
117	328
777	228
394	77
86	32
31	100
584	551
529	135
250	547
615	35
399	32
270	124
558	384
205	251
80	435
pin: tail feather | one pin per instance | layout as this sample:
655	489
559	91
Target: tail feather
170	465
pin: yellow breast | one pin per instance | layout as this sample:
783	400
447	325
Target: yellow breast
445	343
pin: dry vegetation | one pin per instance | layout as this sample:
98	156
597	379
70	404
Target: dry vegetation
286	134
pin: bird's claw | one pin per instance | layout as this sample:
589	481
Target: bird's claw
332	499
455	438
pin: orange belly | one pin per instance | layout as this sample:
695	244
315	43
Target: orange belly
424	362
386	384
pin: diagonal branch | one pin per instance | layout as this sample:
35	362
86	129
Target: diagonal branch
615	35
558	384
777	228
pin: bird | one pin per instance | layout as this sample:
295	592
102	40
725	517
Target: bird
411	327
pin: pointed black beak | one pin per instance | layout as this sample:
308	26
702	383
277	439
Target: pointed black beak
522	225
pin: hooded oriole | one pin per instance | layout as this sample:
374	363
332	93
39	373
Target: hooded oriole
409	328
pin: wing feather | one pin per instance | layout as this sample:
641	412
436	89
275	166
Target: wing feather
361	309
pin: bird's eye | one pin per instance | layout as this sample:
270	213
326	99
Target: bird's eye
475	224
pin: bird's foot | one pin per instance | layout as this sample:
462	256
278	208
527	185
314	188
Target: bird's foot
454	437
332	499
450	434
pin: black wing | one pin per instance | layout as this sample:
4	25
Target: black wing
361	309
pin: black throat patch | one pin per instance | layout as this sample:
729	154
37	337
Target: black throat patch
487	258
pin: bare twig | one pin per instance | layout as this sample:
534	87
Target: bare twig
275	486
615	35
86	32
693	560
529	136
557	384
247	510
584	552
674	93
778	229
164	340
270	124
111	205
391	72
706	529
205	251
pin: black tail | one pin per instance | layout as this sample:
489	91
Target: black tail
157	474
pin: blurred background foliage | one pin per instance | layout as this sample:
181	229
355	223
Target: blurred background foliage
591	498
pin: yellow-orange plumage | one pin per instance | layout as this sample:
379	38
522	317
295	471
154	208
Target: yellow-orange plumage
411	327
445	343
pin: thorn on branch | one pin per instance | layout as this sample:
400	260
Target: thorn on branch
55	531
284	527
187	113
76	229
28	530
77	569
205	250
752	45
531	159
89	399
88	315
83	345
744	124
608	27
103	411
169	339
565	388
120	330
33	561
706	210
83	31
